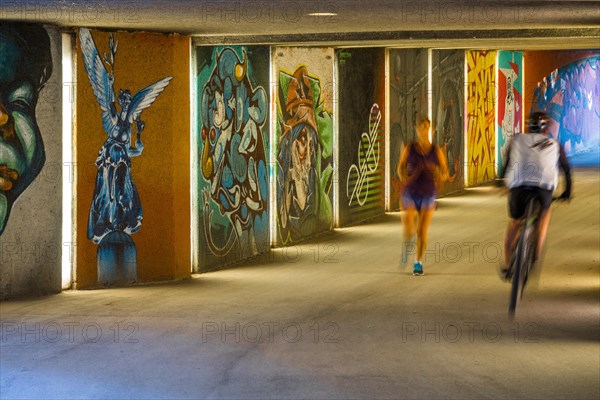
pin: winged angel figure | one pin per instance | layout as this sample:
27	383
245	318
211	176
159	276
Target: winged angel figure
116	203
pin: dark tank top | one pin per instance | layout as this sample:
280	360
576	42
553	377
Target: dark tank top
423	184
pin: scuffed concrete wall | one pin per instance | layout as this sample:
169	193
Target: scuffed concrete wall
448	76
408	103
30	246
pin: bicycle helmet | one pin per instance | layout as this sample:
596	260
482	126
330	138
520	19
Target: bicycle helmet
538	122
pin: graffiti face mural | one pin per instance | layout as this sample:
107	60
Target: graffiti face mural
571	96
116	210
304	174
233	158
25	66
510	102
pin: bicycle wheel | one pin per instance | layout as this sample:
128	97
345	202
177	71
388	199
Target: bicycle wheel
523	255
517	279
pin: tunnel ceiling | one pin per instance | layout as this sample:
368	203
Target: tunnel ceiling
385	22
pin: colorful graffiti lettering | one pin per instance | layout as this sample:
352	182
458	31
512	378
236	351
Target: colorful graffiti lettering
304	175
25	67
571	96
481	116
233	158
358	180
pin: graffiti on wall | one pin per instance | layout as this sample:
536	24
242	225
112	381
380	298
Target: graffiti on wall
448	113
25	67
571	96
361	135
116	210
359	180
510	102
233	113
481	116
408	103
304	157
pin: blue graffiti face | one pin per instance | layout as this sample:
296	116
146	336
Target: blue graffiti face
25	65
233	154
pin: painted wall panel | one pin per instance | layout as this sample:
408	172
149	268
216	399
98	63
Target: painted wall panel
481	123
408	103
304	142
361	162
510	99
570	94
233	184
30	159
133	190
448	113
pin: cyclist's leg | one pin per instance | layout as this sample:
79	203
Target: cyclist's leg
517	202
510	237
545	197
542	231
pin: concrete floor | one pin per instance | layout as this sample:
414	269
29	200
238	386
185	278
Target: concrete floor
334	319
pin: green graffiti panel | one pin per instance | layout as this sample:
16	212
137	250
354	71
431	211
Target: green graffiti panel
233	129
304	152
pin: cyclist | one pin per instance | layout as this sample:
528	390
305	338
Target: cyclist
531	166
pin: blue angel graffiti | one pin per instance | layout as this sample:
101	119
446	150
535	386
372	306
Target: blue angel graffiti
116	205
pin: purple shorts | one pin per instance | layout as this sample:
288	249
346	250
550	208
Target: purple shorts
418	202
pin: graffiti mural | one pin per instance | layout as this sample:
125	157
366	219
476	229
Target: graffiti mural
571	96
361	138
25	67
448	113
408	102
358	182
481	91
234	183
116	210
510	101
304	157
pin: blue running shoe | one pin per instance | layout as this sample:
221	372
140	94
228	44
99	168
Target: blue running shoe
418	268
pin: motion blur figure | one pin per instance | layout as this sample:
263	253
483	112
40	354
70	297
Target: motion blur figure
531	167
418	168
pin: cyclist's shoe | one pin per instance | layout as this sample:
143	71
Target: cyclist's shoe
418	268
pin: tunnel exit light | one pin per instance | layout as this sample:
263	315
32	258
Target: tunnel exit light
68	102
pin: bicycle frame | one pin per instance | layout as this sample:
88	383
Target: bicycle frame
524	253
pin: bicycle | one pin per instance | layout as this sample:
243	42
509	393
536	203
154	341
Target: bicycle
525	251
